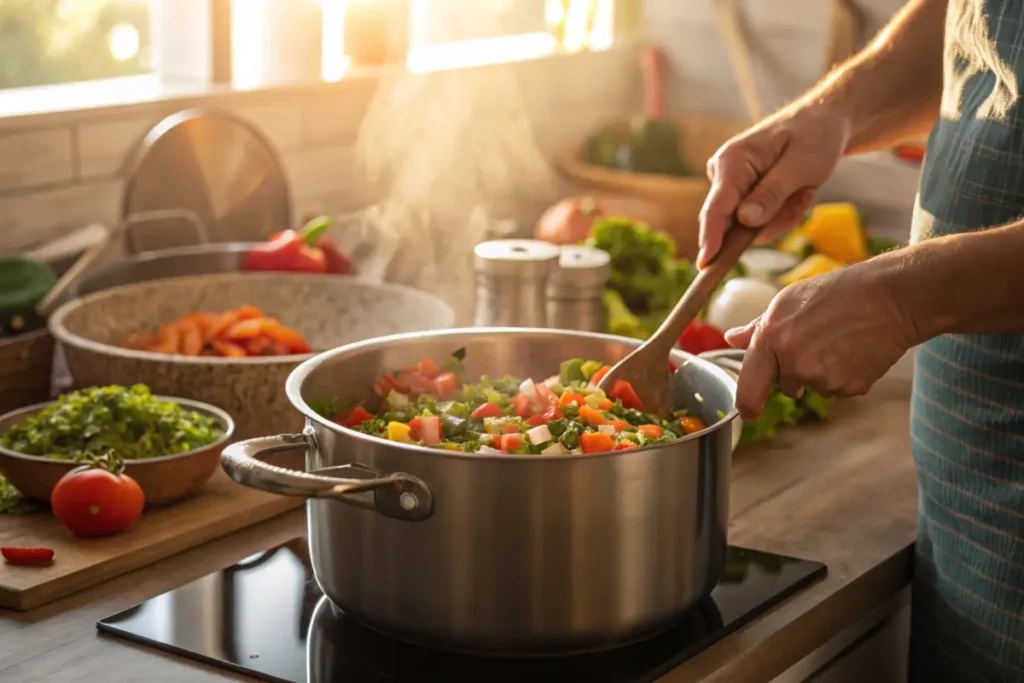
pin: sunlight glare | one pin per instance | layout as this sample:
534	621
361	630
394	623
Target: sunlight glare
123	42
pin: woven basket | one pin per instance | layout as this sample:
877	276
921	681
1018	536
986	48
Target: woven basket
700	137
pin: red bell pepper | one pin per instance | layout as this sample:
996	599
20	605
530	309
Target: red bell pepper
700	336
305	251
22	556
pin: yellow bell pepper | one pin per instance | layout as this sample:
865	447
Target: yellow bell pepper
795	242
815	264
398	432
835	230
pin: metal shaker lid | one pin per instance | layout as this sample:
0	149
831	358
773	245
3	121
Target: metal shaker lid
516	258
580	268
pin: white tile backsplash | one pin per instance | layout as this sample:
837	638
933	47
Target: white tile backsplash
36	157
27	219
104	145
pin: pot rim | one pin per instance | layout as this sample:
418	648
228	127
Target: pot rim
63	335
219	414
293	385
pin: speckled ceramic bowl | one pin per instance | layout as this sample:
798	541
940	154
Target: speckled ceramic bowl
164	480
328	310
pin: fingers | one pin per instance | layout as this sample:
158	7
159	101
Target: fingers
763	204
790	215
758	374
732	174
739	337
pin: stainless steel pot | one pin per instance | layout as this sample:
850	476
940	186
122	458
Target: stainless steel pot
504	554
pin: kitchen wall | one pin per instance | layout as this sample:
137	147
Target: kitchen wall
61	170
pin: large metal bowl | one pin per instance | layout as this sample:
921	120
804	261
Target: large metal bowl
328	310
505	553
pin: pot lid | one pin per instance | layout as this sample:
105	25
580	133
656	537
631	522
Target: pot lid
202	175
516	258
580	268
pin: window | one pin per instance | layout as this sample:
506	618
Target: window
45	42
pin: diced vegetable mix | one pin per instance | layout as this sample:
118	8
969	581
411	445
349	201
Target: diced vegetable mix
240	333
430	405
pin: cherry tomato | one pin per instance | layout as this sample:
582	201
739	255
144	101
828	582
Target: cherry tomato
25	556
92	501
691	424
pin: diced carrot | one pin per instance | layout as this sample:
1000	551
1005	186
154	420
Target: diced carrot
446	384
651	431
248	329
591	416
228	349
191	343
619	424
596	442
571	397
605	404
691	424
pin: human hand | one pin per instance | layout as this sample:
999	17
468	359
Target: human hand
767	176
837	333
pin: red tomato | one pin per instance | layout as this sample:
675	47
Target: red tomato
599	375
385	385
570	398
510	442
623	391
23	556
522	406
95	502
552	413
546	396
691	424
446	384
510	428
428	368
426	430
415	383
354	417
699	337
488	410
537	420
596	442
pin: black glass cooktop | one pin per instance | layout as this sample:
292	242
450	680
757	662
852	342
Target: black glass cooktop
266	617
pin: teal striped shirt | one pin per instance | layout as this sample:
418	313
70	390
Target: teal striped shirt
967	416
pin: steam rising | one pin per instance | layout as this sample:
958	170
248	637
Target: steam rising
455	157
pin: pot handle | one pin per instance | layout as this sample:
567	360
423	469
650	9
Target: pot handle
397	495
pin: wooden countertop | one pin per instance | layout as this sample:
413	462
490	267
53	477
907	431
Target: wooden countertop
843	493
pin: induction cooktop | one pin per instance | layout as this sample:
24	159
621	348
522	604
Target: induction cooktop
265	617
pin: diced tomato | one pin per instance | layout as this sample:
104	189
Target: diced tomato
625	446
672	367
488	410
552	413
385	385
691	424
700	336
428	368
599	375
651	431
605	404
623	391
522	406
510	428
446	384
426	430
570	398
546	396
412	382
619	424
596	442
356	416
591	416
510	442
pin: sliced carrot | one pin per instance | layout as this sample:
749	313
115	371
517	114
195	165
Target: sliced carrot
168	339
248	329
591	416
228	349
249	312
599	375
257	346
223	324
292	341
191	343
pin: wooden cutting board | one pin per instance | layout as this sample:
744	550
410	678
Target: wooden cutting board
219	509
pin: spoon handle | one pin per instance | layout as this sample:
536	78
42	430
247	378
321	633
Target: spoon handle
736	240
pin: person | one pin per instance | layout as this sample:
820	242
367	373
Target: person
956	293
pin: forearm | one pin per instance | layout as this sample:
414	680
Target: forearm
891	90
971	283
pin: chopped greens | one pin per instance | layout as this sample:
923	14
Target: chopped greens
131	422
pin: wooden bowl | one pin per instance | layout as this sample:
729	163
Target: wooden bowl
26	369
327	310
164	480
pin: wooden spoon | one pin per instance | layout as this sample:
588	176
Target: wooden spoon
645	368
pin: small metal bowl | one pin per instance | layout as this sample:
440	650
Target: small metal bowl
164	480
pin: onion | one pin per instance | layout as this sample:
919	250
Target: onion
569	221
539	434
